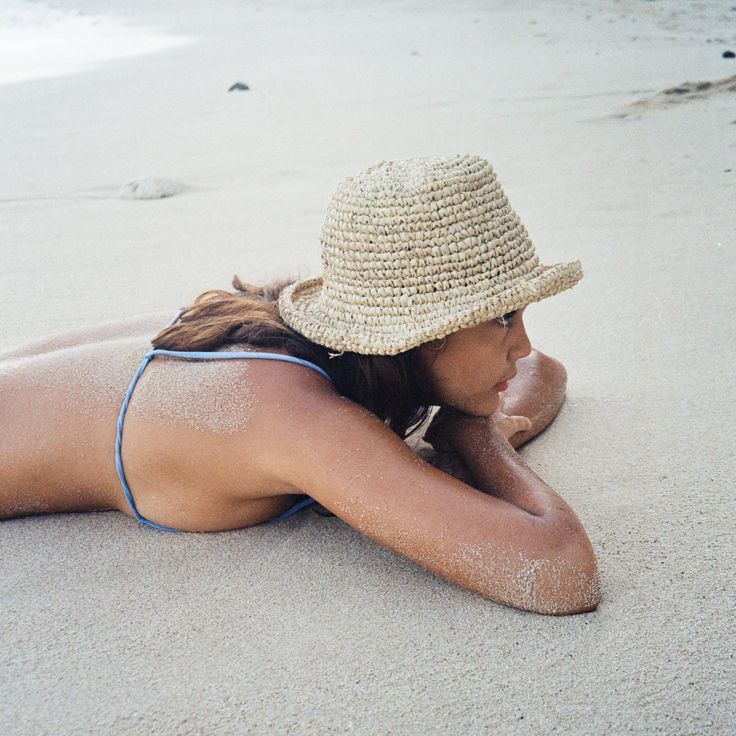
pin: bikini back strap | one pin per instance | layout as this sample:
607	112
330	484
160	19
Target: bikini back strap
191	355
194	355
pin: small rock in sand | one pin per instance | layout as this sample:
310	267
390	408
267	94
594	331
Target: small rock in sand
238	87
728	55
149	187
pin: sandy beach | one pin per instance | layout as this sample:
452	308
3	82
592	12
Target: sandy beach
612	127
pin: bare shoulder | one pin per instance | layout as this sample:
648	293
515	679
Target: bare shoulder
348	460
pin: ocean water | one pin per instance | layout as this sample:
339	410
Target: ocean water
40	40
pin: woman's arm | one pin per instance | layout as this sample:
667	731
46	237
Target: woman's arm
500	472
537	391
479	454
350	462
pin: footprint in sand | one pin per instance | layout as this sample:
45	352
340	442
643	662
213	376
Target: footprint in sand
685	92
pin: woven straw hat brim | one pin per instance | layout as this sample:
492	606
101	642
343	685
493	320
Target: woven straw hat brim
301	307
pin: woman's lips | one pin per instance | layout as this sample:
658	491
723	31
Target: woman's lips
503	385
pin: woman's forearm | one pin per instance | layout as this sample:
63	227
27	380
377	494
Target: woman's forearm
499	471
482	457
537	392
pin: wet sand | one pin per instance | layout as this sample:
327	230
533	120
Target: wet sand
305	626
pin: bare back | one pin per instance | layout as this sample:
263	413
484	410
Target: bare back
214	446
183	437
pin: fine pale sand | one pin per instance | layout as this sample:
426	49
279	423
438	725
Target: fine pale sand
305	626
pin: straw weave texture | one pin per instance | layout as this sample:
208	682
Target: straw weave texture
413	250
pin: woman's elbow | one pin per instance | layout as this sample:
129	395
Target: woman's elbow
562	577
566	583
548	586
551	369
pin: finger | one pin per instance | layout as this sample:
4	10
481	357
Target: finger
522	422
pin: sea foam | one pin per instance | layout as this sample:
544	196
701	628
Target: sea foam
39	40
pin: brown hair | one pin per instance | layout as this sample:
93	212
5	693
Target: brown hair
393	387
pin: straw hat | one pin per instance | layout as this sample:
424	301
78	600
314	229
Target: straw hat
413	250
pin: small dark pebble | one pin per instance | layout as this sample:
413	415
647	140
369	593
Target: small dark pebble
726	171
238	86
728	55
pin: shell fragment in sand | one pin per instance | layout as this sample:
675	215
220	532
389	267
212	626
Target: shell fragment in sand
149	187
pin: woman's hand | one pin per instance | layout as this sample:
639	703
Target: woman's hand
445	429
509	425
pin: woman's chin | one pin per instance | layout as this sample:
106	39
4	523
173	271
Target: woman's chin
493	403
484	409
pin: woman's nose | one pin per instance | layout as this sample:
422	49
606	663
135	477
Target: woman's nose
522	346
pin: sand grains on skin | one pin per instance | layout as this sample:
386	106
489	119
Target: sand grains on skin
547	585
91	378
552	586
205	395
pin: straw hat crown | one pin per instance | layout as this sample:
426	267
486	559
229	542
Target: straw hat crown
415	249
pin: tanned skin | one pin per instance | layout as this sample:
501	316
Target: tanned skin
57	456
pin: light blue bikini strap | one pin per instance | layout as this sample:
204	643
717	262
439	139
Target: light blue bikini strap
119	439
196	356
205	355
296	507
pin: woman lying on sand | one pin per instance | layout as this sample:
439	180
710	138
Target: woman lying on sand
427	273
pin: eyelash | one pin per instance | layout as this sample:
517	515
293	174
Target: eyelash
504	319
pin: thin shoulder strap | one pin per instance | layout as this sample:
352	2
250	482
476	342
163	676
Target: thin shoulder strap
206	355
191	354
119	439
195	355
298	506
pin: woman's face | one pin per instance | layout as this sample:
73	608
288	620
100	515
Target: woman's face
465	372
